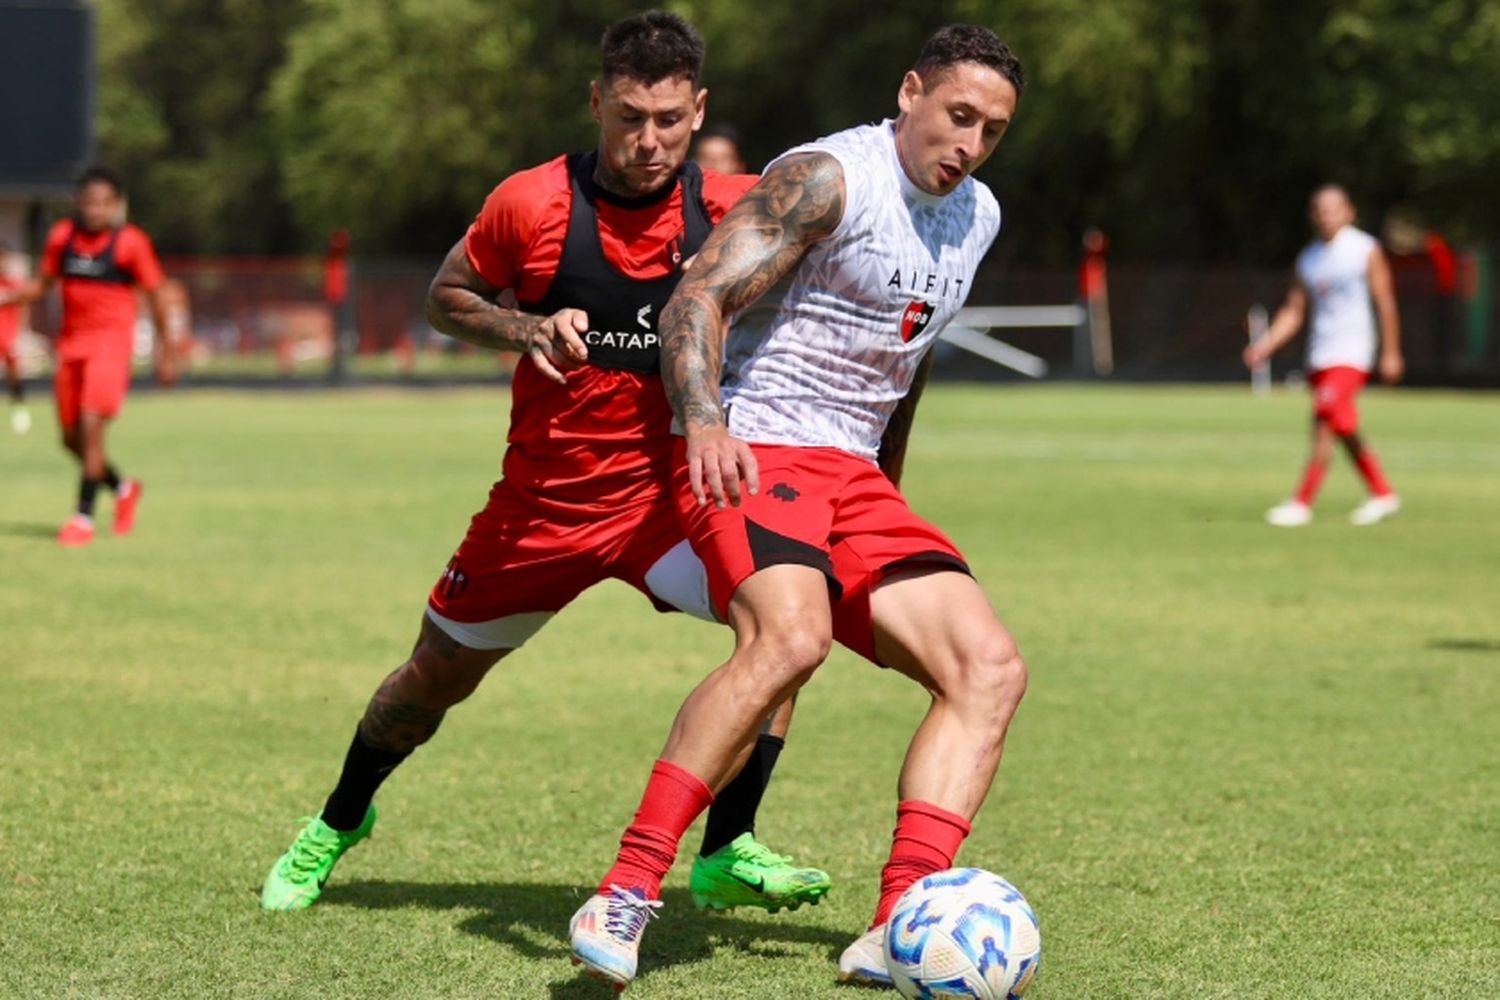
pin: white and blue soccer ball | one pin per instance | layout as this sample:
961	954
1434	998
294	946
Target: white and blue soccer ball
964	932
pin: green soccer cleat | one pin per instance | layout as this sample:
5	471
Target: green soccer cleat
746	873
296	880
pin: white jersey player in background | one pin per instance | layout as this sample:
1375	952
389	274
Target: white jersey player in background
787	490
1338	275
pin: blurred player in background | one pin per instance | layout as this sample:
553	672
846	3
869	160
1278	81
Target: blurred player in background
878	231
100	261
586	249
13	279
720	148
1337	276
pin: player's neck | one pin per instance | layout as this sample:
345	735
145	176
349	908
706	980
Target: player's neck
614	185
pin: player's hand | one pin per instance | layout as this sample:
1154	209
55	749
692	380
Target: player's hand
1392	367
720	467
1254	355
557	346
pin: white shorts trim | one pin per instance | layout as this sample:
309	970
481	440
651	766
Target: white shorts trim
510	632
679	579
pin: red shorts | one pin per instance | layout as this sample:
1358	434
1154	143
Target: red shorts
819	507
1334	391
94	384
519	565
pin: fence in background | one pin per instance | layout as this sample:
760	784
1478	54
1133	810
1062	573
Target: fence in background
268	320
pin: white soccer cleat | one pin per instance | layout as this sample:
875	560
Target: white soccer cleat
20	419
864	960
1375	509
1289	514
606	934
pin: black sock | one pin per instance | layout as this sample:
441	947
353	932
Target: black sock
87	490
111	479
365	767
733	811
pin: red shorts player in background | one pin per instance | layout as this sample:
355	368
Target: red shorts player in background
1338	276
12	280
100	260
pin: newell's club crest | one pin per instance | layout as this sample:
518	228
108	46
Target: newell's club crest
914	319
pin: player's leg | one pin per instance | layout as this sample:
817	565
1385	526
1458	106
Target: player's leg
731	868
1344	421
783	629
935	625
20	416
78	529
510	575
404	713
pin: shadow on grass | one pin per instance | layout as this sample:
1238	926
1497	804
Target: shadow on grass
532	920
24	529
1466	645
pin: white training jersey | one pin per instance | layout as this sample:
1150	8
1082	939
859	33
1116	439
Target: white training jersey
1336	275
824	357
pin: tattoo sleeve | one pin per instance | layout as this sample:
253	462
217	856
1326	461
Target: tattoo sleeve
461	304
798	202
892	458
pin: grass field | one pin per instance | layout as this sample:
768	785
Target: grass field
1252	762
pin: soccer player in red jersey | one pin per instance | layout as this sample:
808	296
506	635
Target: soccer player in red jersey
100	260
584	251
12	279
835	275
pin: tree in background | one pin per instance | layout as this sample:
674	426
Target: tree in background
1190	130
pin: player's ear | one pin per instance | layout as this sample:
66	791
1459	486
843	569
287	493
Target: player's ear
912	88
596	97
700	106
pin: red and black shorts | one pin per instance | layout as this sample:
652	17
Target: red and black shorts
818	507
522	562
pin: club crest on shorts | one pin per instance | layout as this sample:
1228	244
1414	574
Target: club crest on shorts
914	319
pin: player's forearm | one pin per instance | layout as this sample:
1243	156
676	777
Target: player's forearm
464	315
692	352
28	293
1282	329
1390	329
892	456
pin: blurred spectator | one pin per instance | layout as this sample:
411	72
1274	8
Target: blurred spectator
720	148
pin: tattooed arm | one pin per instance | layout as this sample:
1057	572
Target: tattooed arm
798	202
892	457
463	305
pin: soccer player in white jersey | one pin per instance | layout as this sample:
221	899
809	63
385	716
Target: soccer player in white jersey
1339	273
871	238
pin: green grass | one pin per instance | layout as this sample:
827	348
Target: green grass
1252	762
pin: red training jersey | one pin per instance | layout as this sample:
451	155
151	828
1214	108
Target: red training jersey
596	442
10	316
99	315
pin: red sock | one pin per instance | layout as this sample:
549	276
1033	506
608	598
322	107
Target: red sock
674	798
1369	467
925	841
1312	481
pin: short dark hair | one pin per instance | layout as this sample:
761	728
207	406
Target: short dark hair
102	175
969	43
651	47
726	132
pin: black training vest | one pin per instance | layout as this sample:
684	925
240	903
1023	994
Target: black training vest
622	311
104	267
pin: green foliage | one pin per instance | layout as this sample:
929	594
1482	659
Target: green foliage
1250	763
1188	129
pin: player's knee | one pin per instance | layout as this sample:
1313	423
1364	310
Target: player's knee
787	655
992	678
437	676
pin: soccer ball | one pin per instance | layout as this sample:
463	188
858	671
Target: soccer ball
964	932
